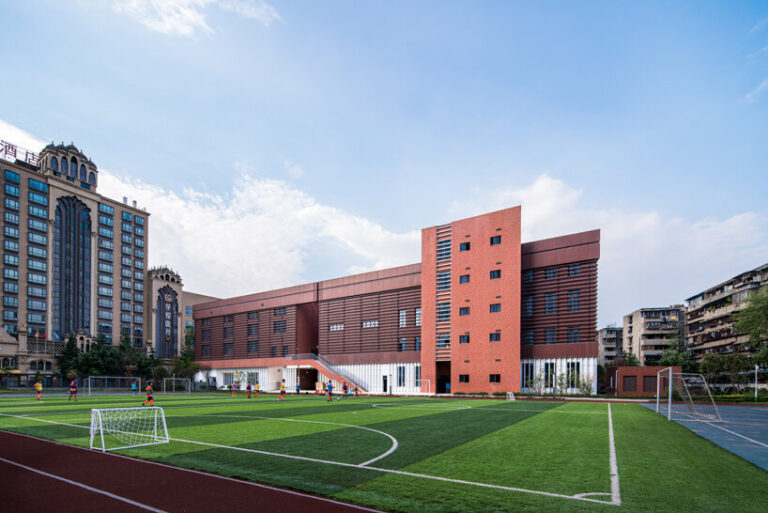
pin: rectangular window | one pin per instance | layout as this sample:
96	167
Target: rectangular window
11	259
444	280
649	383
10	301
528	338
494	378
104	327
402	320
106	244
11	176
37	265
106	209
630	383
205	335
336	327
138	275
229	318
572	374
573	334
464	310
550	304
494	337
139	242
12	274
138	264
10	231
105	255
41	279
38	225
443	340
550	273
12	218
11	190
138	319
228	332
138	308
188	311
464	246
528	306
138	286
274	351
12	204
280	326
370	324
495	240
285	350
139	220
105	303
253	346
138	253
229	348
38	212
106	315
138	297
443	312
126	250
105	291
253	316
125	260
527	276
444	250
36	318
550	335
463	378
574	269
205	350
574	300
279	311
35	197
496	274
464	339
401	344
549	374
127	227
127	216
105	279
13	287
106	232
37	238
253	330
127	239
464	278
38	185
401	376
139	231
417	344
495	307
106	221
10	315
37	252
418	317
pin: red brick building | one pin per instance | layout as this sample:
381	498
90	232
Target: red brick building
637	381
481	313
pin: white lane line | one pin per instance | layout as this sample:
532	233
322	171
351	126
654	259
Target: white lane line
737	434
577	497
85	486
392	448
615	490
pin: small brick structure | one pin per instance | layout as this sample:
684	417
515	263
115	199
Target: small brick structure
635	381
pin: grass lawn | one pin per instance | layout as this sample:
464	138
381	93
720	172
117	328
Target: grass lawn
432	454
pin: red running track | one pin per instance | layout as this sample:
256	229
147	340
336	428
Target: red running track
39	475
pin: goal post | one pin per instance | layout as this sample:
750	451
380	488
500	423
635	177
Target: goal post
685	396
510	396
124	428
181	385
421	384
95	384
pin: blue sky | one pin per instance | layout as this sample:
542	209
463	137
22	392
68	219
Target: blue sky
645	119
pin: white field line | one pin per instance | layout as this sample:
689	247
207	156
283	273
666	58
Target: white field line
737	434
615	490
86	487
577	497
392	449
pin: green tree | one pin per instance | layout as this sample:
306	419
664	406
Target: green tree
753	319
628	359
189	338
710	365
68	360
734	364
674	356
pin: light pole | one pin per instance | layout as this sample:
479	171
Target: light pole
756	367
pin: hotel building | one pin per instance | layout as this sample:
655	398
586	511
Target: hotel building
481	313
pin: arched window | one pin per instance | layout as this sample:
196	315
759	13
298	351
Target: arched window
64	165
83	173
6	363
33	365
14	364
73	167
54	163
47	365
92	178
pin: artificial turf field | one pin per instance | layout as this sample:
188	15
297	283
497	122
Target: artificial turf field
432	454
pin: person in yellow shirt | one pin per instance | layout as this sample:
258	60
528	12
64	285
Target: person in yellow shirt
257	389
282	391
39	389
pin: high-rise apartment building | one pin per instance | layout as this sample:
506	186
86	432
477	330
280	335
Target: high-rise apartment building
711	314
74	261
609	342
647	331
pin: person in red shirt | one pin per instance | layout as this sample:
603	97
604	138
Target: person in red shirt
248	390
149	395
73	389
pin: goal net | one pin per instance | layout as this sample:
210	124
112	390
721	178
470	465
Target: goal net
95	384
183	385
510	396
685	396
124	428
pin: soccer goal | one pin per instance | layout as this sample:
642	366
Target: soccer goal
685	396
181	385
510	396
423	386
124	428
96	384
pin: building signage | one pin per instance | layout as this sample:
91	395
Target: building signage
12	152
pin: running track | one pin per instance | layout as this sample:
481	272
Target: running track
40	475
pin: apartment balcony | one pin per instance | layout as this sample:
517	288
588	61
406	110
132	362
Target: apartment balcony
708	315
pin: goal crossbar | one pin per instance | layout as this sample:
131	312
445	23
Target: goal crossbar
685	396
170	384
125	428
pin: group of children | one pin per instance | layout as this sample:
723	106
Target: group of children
344	389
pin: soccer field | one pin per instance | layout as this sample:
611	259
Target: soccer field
432	454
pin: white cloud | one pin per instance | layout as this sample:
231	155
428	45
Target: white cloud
646	259
293	169
751	97
188	17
